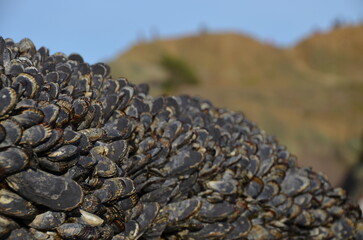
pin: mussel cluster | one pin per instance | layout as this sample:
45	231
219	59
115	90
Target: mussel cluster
85	156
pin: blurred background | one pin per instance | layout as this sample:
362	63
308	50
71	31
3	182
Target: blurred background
296	70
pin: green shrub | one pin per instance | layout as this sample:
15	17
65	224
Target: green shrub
178	73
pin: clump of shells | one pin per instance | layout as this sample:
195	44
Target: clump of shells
85	156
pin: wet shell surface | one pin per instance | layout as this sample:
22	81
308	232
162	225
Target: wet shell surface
85	156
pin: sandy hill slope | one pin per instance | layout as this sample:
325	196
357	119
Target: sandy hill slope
309	96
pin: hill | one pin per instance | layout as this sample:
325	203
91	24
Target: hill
309	96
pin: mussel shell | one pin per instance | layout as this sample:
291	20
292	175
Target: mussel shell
29	117
115	188
65	152
86	162
75	57
71	137
91	203
8	100
216	230
127	94
28	83
27	46
109	104
149	214
129	202
37	134
54	138
343	228
16	67
6	226
215	212
52	89
91	219
157	105
40	235
185	162
2	133
63	117
180	211
172	130
241	227
55	192
51	112
48	220
224	187
12	160
93	134
254	187
104	167
77	231
56	167
99	68
295	182
14	132
26	103
79	108
270	189
20	234
162	195
13	205
85	145
97	118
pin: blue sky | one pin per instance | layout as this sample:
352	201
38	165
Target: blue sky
100	30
